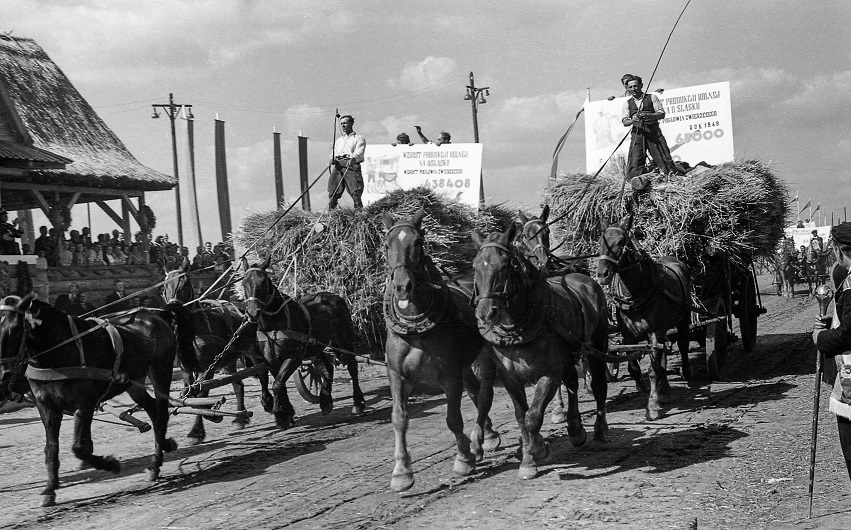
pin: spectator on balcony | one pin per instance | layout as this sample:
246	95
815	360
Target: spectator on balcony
117	294
64	301
8	233
65	255
79	254
135	257
95	256
81	305
43	243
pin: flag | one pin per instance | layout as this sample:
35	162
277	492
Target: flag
563	139
804	207
817	208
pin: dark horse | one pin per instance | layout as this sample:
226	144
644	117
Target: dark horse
293	330
533	240
215	322
787	265
652	297
538	327
431	337
107	358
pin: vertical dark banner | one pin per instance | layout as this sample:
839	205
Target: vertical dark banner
222	181
302	172
279	172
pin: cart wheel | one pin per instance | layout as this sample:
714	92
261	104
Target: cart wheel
311	376
748	312
716	344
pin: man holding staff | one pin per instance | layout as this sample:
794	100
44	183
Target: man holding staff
642	112
836	341
345	165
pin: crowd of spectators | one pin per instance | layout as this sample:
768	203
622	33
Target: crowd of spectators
80	248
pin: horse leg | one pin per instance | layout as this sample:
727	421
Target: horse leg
683	344
282	408
52	421
465	461
83	448
539	449
599	387
575	429
266	398
480	391
558	415
326	400
634	368
658	379
403	474
157	410
357	394
239	394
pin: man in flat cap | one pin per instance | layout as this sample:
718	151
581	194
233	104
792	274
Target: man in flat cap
346	173
835	342
8	233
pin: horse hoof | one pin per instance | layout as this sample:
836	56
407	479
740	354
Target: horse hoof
402	482
652	414
267	404
240	423
578	440
358	410
527	472
48	500
153	474
285	423
558	416
462	467
601	435
84	466
112	465
170	445
685	372
548	453
326	408
492	443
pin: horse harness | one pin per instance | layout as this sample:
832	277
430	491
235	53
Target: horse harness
439	305
276	336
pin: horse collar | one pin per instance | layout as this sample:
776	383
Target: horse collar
413	325
522	332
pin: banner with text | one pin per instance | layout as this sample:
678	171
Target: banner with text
698	126
452	169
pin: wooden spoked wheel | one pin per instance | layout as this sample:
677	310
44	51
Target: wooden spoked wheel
310	377
717	339
748	312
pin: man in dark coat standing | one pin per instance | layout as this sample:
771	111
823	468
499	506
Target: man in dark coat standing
642	112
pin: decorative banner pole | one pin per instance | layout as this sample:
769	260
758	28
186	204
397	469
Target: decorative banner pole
279	173
824	295
302	171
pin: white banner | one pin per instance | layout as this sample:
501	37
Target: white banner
803	236
452	169
698	126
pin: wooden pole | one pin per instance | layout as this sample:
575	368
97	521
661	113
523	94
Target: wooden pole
222	180
172	114
302	172
190	136
279	172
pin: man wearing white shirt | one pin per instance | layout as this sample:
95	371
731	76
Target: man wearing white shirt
345	165
642	112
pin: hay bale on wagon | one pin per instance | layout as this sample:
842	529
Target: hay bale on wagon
739	208
347	256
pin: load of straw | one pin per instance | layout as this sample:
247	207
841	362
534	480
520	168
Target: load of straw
739	208
342	251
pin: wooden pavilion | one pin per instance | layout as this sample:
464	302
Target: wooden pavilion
54	148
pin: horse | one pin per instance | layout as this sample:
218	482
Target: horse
537	327
431	337
651	297
533	240
215	322
75	364
293	330
787	267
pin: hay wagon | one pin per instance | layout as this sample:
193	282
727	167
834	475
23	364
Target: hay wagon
724	290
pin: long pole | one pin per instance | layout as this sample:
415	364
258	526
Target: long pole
190	136
172	114
278	169
474	105
814	439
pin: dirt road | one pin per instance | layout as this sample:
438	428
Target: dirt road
731	454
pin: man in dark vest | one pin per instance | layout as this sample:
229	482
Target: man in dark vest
642	112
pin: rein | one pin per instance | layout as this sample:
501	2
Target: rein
505	293
263	304
618	262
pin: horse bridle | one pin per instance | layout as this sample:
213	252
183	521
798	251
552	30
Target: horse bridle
262	304
419	258
180	285
506	291
15	362
538	245
617	262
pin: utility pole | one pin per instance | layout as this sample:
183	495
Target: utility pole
171	109
476	97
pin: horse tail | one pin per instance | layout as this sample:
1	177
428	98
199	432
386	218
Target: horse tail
184	329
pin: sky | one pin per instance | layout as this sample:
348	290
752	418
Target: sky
288	65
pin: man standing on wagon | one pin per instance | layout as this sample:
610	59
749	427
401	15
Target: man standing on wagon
345	165
642	112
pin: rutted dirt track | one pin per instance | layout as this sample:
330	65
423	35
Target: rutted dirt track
731	454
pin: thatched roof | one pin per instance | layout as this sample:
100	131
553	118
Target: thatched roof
44	110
